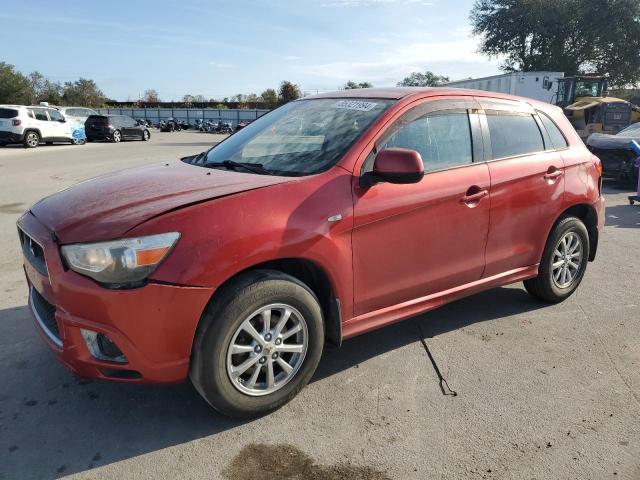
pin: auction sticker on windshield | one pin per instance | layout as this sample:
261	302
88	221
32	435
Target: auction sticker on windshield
356	105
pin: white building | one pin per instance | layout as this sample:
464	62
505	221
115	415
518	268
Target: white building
537	85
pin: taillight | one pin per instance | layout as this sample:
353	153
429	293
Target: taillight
17	122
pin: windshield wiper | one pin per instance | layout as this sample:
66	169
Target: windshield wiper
251	167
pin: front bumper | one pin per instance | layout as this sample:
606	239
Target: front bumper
11	137
153	326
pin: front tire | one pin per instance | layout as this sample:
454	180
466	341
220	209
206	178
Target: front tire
258	344
31	139
564	262
116	136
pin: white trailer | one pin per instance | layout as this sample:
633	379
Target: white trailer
537	85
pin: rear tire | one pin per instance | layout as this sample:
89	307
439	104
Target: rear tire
116	136
31	139
564	262
145	135
274	376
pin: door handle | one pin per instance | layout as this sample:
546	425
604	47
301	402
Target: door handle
474	198
552	174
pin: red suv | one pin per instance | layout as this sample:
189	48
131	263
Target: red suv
326	218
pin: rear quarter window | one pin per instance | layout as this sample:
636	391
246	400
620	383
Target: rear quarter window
8	113
513	134
555	135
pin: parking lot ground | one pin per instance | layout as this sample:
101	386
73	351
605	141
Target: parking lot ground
543	392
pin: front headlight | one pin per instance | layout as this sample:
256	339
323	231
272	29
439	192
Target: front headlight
120	262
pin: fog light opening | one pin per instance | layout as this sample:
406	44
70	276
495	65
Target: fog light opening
100	346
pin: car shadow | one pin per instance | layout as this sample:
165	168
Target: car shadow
485	306
55	424
623	216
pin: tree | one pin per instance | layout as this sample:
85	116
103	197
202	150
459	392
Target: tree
44	90
353	85
269	97
426	79
288	92
14	86
151	96
571	36
83	92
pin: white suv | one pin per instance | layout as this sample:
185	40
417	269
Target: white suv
32	125
79	114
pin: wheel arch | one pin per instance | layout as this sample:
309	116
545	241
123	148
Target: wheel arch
588	215
313	276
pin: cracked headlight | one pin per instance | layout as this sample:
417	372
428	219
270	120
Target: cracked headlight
119	263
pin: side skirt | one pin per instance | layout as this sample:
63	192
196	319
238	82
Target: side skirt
385	316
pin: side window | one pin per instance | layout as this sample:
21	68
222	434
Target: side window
556	136
71	112
513	134
443	139
40	115
55	116
30	113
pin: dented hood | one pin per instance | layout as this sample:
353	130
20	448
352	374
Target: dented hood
106	207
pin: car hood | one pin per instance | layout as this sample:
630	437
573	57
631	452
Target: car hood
106	207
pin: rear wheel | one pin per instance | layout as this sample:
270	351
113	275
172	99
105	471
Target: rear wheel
145	135
258	344
564	262
31	139
116	136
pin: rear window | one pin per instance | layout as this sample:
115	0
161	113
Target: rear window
97	119
555	135
513	134
8	113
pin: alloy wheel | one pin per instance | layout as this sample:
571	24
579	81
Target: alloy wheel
567	260
32	139
267	349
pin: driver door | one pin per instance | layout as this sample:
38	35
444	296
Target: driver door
416	240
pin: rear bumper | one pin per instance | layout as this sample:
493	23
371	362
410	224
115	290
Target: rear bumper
11	137
153	325
98	134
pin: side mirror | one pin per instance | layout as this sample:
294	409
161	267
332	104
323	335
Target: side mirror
396	165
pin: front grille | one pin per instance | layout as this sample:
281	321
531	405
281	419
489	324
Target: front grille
45	314
33	252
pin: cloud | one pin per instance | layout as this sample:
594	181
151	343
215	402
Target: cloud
444	57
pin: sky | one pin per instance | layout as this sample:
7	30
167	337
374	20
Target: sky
223	48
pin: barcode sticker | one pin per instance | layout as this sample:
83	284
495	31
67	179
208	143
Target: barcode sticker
355	105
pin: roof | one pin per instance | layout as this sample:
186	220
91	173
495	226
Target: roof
397	93
394	93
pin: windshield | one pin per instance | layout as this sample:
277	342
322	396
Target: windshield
588	88
299	138
631	131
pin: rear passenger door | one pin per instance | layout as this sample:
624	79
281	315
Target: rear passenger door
527	184
42	123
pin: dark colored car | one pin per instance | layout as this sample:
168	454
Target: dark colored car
618	159
114	128
324	219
